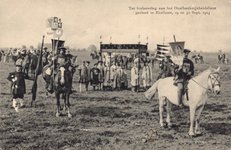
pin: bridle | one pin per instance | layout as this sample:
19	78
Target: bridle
212	83
216	81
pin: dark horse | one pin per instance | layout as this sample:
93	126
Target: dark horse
61	85
94	56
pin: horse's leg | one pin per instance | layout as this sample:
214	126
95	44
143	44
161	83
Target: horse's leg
198	113
192	115
161	110
58	104
168	109
65	105
68	104
80	87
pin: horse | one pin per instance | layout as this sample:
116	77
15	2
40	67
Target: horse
62	84
94	56
219	58
197	95
197	58
224	59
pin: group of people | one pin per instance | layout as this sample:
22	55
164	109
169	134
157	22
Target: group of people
102	76
113	76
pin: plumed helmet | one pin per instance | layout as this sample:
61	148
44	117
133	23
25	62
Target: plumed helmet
136	60
18	63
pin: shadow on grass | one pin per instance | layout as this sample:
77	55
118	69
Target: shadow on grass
218	128
215	107
113	112
5	93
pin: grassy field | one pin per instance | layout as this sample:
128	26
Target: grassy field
111	120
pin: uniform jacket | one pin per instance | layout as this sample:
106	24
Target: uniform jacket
18	79
95	75
187	67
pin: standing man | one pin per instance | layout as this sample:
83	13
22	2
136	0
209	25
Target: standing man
88	74
95	76
101	74
107	79
183	74
33	64
135	76
82	75
18	85
45	57
146	75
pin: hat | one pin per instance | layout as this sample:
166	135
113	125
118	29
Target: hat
186	50
88	62
83	61
167	55
100	62
62	48
44	47
18	63
95	64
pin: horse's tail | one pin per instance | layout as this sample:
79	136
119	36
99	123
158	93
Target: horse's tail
150	93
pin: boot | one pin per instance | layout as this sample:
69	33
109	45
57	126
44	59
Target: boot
21	103
14	103
179	97
50	87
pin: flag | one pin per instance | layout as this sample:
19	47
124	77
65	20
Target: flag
56	44
177	50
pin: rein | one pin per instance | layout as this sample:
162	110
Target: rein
199	84
213	84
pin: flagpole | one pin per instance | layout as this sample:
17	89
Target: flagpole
34	86
138	88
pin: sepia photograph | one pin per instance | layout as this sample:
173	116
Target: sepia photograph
115	75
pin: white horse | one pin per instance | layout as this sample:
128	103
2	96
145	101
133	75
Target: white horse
197	94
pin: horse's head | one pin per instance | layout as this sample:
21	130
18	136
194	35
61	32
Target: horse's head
214	81
62	70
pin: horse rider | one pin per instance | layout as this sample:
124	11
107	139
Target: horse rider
182	75
60	60
166	67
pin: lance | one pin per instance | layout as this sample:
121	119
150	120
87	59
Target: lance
55	51
37	72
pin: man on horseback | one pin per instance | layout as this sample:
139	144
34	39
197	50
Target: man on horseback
182	75
60	60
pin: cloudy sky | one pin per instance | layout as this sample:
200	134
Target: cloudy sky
23	22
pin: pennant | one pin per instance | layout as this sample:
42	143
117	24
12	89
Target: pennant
177	48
